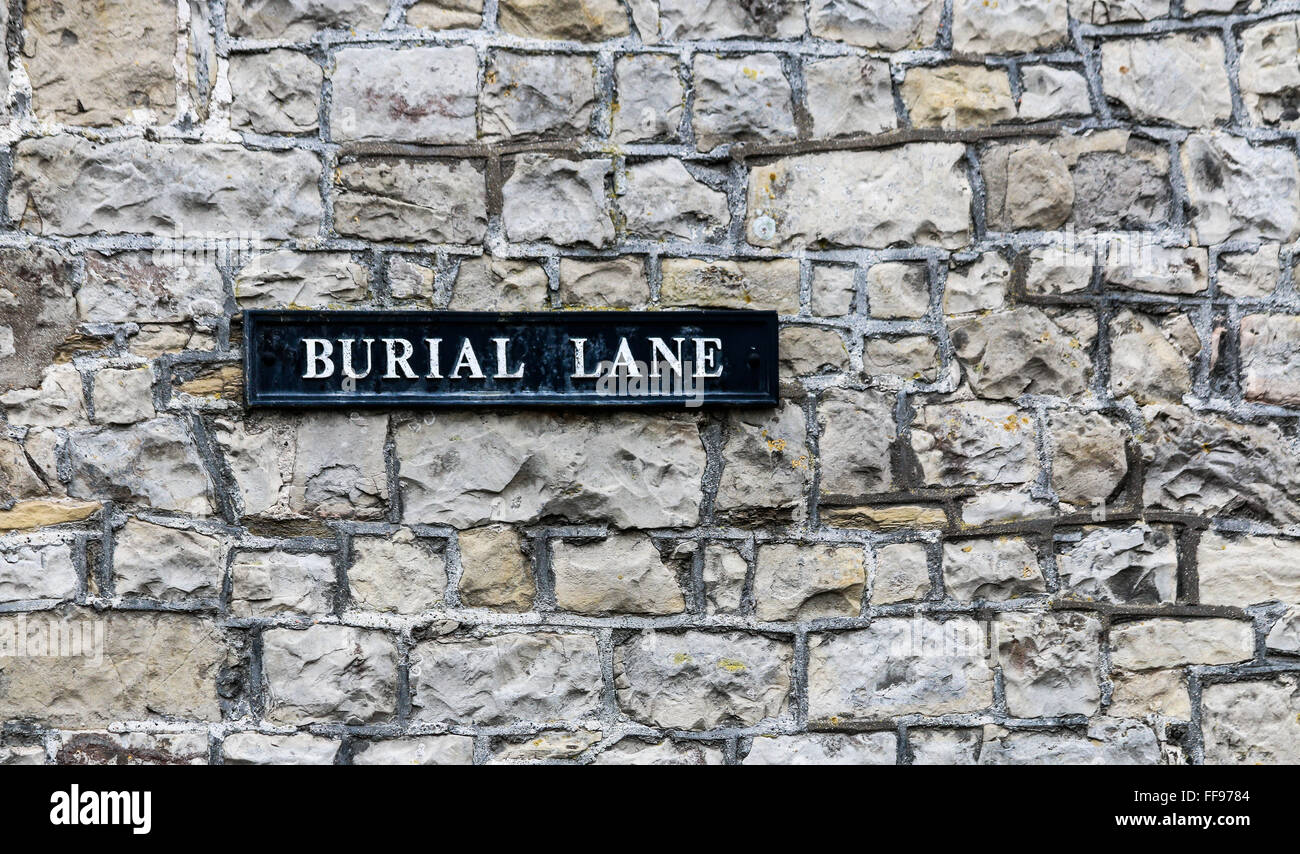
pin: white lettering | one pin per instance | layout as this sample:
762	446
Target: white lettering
345	345
319	350
395	361
467	359
435	350
580	361
503	361
705	356
659	348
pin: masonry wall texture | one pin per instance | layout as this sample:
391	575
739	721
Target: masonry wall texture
1031	495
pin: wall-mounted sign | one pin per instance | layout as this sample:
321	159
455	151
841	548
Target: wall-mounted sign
448	358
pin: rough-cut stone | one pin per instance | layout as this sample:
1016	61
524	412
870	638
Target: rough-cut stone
702	680
1156	643
1156	269
1059	269
275	92
981	286
912	194
1270	358
133	748
59	401
886	517
1285	635
765	447
28	515
495	572
134	287
130	666
807	350
804	582
724	573
1025	351
996	506
849	95
36	287
1128	566
877	748
603	283
1114	11
165	563
268	583
19	478
1203	463
957	96
287	279
544	748
396	572
650	98
1252	723
155	463
889	26
974	443
621	574
557	200
30	571
445	15
1249	274
425	200
469	468
833	290
74	59
681	20
902	574
1008	26
771	285
857	430
410	280
418	750
1269	75
898	290
663	201
944	746
1160	692
255	748
898	666
1180	78
1245	571
1052	93
506	679
1238	191
1029	187
911	357
991	569
70	186
329	674
1150	360
631	751
123	396
1050	663
1088	456
499	284
1106	741
299	19
741	98
535	95
569	20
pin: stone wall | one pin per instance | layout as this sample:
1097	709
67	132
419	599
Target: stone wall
1032	493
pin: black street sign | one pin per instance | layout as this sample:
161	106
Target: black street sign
450	358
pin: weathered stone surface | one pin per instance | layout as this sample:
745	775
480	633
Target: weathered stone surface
1269	75
287	279
499	284
544	748
1270	358
740	98
1238	191
1180	78
765	447
30	570
849	95
1250	274
36	287
663	201
495	572
27	515
410	280
1051	93
1131	566
1202	463
133	748
944	746
1156	269
1160	692
632	751
1058	269
1009	26
1150	360
570	20
974	443
898	666
724	573
804	582
1113	11
506	679
70	186
329	674
898	290
1252	723
154	463
621	574
650	98
1157	643
885	517
419	750
1285	634
468	468
414	200
902	574
1029	187
123	396
702	680
255	748
807	350
299	19
892	26
165	563
833	290
603	283
957	96
1088	456
73	57
857	430
139	286
59	401
724	19
19	478
1050	663
876	748
771	285
445	15
1025	351
535	95
1106	741
991	569
152	665
268	583
1245	571
396	572
911	357
556	200
275	92
996	506
981	286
